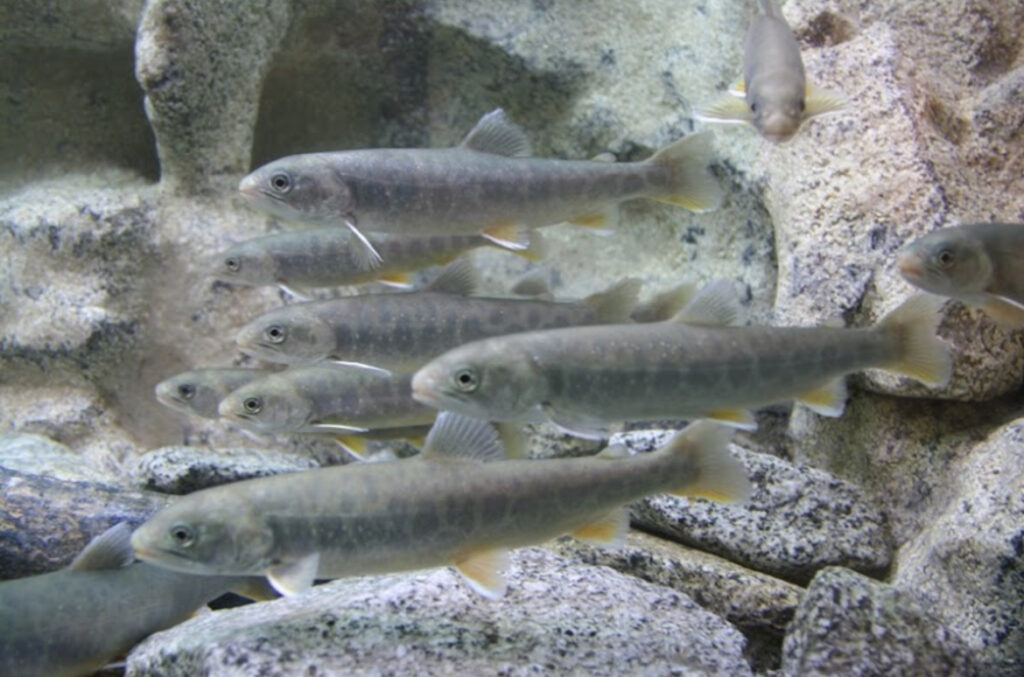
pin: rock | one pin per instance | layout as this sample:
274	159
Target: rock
431	623
37	455
848	624
968	563
798	520
759	605
181	470
45	523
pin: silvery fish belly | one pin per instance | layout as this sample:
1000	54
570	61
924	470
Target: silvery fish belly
980	264
589	378
459	503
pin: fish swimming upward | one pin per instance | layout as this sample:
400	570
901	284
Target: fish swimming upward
774	95
73	621
200	391
486	185
981	264
331	257
457	503
694	366
401	331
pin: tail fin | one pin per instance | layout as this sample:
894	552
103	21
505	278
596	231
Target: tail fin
613	305
771	8
691	185
922	356
711	472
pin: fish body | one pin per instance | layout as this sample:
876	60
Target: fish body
979	264
74	621
329	257
401	331
455	504
200	391
325	398
774	95
590	377
486	185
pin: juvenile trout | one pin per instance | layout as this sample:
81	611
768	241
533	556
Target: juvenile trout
487	185
774	95
981	264
200	391
587	378
457	504
402	330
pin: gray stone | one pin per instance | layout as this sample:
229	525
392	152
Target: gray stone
37	455
968	563
45	523
848	624
181	470
432	624
798	520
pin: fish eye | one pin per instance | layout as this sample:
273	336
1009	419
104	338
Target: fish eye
183	535
252	405
753	107
187	391
281	182
803	105
465	380
275	333
946	258
232	264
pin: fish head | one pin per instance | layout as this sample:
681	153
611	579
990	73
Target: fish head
205	533
949	262
189	393
306	187
290	335
246	263
268	405
489	379
777	105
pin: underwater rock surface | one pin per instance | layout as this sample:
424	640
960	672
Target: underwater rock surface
127	125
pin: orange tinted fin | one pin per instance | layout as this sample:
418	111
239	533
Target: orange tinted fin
483	571
396	278
711	471
734	418
508	234
827	400
921	354
599	220
353	445
609	529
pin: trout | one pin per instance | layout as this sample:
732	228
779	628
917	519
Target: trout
200	391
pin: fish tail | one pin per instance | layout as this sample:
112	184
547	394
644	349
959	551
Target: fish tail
922	355
690	184
615	304
710	471
770	8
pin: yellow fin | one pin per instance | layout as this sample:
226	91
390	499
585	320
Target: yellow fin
689	183
417	442
396	278
508	234
609	529
353	445
921	354
823	101
734	418
537	251
711	471
256	589
294	578
725	110
597	220
738	88
483	571
827	400
1003	312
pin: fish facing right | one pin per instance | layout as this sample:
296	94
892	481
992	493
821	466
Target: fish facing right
774	95
458	503
980	264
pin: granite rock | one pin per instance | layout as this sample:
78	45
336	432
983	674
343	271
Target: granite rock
432	624
848	624
181	470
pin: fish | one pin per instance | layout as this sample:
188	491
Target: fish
76	620
773	95
400	331
458	503
200	391
486	185
979	264
695	365
330	257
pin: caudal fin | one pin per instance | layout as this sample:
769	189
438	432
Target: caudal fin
922	355
711	472
691	185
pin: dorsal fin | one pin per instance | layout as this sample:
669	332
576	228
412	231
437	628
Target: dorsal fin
455	436
533	284
715	304
494	133
458	277
110	550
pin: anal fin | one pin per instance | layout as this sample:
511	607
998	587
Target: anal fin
355	446
508	234
295	577
734	418
827	400
483	571
608	530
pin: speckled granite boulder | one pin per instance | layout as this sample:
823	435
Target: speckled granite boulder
432	624
181	470
37	455
798	520
850	625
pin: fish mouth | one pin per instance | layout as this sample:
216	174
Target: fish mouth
424	390
910	266
250	187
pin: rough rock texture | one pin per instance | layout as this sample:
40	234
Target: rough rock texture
968	563
431	624
798	520
37	455
848	624
181	470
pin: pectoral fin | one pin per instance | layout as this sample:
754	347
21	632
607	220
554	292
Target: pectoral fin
366	255
738	88
715	305
459	277
508	234
362	365
296	577
608	530
823	101
494	133
483	571
110	550
734	418
578	425
355	446
827	400
1004	312
725	110
399	280
594	220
